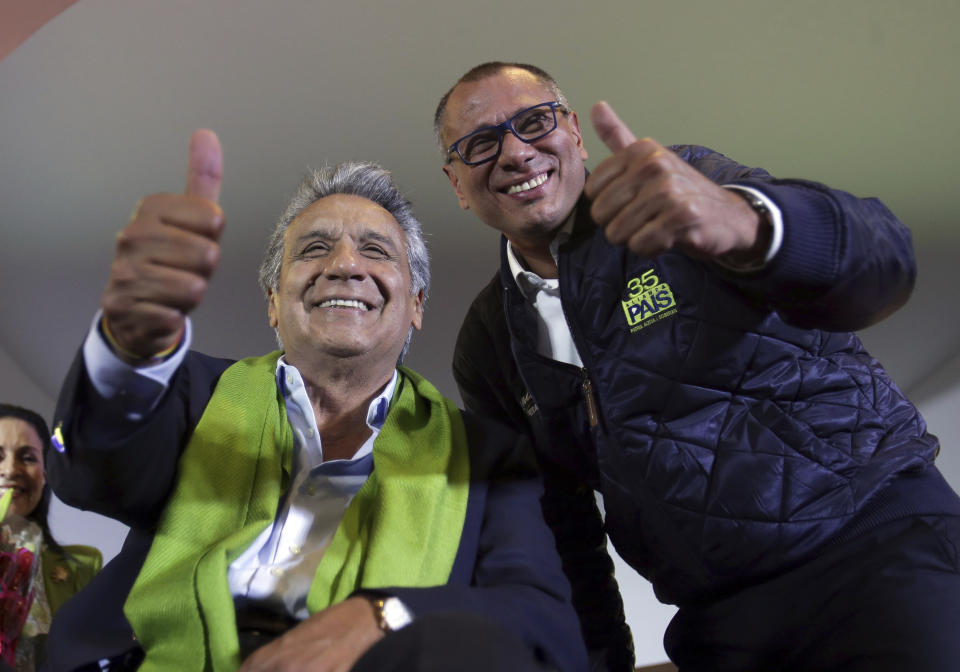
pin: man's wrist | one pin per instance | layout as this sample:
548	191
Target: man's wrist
769	233
135	390
131	357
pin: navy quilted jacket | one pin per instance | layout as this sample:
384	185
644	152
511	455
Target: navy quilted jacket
732	423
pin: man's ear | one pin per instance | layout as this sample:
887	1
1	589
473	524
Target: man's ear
417	320
455	183
575	129
272	319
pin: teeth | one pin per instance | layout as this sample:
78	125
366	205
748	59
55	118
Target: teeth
344	303
528	185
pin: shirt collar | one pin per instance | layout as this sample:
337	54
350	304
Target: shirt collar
527	280
379	405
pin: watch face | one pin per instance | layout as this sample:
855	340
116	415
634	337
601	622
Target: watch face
395	614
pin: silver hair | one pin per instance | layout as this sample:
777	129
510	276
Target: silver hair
367	180
483	71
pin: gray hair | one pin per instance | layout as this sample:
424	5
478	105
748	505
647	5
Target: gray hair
367	180
483	71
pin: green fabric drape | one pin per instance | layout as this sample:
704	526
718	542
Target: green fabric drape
401	529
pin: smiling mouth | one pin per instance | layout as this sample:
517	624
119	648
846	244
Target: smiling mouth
345	303
17	490
532	183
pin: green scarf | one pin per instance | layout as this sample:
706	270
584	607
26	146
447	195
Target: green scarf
401	529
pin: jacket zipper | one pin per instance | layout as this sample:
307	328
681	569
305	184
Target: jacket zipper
587	389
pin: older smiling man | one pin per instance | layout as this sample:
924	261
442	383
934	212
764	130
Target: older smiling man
318	508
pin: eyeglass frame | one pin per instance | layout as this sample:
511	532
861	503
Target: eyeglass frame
501	130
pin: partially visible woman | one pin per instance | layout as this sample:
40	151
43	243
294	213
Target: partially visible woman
24	437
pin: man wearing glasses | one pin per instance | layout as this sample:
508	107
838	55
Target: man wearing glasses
673	331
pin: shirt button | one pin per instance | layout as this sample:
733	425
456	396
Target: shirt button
310	432
291	381
310	490
277	571
295	549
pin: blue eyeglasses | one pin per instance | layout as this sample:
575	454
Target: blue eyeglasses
485	144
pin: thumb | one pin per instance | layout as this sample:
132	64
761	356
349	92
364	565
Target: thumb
610	128
204	165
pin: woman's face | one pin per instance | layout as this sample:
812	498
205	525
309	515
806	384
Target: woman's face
21	464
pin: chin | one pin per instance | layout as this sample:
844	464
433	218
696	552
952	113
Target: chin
344	349
541	226
22	510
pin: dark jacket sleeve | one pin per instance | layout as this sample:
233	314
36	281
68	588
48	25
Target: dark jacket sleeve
510	573
570	511
483	380
845	262
121	468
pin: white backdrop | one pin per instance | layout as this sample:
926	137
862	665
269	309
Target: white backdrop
96	107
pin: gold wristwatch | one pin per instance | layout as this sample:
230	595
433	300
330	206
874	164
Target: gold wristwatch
391	613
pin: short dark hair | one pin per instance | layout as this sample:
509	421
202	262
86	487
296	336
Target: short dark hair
483	71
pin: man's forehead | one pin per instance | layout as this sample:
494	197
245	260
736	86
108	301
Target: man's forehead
346	209
340	214
501	94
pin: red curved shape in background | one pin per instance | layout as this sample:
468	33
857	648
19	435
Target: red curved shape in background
19	19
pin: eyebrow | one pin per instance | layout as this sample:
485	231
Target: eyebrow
376	236
25	449
509	115
315	234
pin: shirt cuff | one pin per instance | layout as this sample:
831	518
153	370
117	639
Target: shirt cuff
136	389
776	235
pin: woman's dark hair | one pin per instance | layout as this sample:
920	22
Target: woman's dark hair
42	509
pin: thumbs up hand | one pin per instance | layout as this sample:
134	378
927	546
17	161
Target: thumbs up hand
650	200
164	259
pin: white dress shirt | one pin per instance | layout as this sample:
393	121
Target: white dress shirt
277	569
543	295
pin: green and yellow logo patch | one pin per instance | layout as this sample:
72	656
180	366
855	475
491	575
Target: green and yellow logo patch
648	301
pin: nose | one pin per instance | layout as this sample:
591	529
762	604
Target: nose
514	152
344	261
8	465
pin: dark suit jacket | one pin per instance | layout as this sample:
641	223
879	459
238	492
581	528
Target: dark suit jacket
506	568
